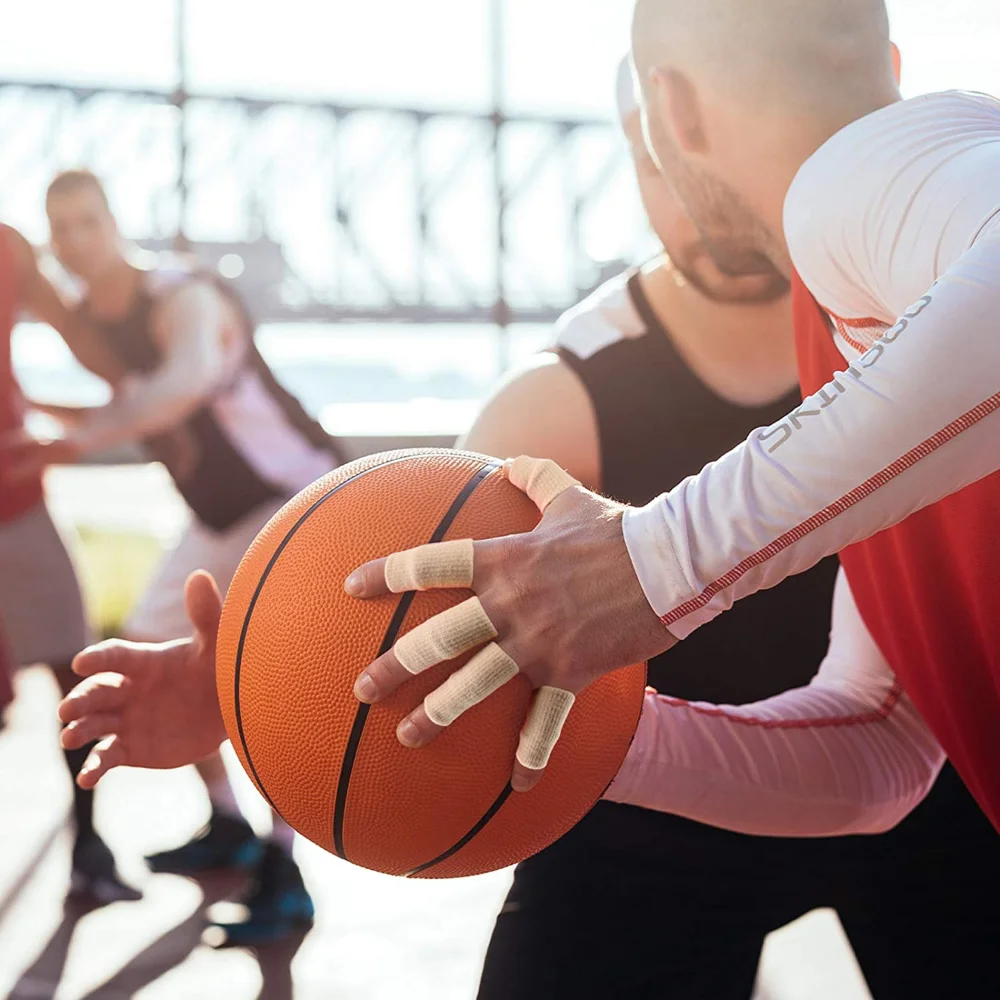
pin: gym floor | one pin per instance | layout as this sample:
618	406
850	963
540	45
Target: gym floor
376	938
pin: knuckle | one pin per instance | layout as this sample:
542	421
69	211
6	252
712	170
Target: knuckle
386	674
513	567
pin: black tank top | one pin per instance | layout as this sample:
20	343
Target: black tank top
657	424
213	472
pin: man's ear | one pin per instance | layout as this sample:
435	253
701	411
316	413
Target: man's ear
679	109
897	62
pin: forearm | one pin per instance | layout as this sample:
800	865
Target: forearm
140	408
44	303
846	754
808	763
911	421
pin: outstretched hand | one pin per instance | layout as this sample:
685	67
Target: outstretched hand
149	705
560	604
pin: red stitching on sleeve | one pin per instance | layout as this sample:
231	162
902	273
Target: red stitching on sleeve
827	514
879	714
845	326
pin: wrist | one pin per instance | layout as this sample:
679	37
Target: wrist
654	561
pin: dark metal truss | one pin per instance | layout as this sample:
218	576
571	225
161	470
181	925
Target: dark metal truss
343	212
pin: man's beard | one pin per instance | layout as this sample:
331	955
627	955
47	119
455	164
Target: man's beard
732	237
698	265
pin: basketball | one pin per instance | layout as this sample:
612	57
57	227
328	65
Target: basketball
291	644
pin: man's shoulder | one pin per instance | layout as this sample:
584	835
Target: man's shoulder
889	201
903	135
543	409
544	383
607	316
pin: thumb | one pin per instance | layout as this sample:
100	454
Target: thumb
540	478
204	605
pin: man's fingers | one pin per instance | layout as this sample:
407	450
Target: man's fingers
427	567
523	779
380	678
204	603
485	673
85	730
445	636
540	478
368	580
548	713
441	638
416	730
108	754
110	656
93	696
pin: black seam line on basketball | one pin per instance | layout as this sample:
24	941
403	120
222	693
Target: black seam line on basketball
253	603
388	641
459	844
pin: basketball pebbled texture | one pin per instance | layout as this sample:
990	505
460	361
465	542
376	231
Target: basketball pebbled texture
291	644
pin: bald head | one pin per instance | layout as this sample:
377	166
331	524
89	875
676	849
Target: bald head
811	54
737	94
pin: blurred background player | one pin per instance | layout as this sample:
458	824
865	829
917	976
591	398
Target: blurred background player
656	374
41	610
200	398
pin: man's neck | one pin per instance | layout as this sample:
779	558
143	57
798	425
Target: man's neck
111	294
744	353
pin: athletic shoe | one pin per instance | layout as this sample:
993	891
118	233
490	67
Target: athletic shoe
94	874
278	906
225	842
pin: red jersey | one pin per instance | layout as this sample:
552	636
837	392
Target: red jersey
14	500
927	590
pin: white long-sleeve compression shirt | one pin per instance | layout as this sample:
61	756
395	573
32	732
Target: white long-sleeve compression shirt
906	261
908	252
847	754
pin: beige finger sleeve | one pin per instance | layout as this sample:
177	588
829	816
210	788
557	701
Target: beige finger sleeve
445	636
427	567
485	673
545	721
540	478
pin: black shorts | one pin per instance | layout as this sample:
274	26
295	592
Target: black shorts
633	905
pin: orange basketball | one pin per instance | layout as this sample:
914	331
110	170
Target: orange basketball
291	644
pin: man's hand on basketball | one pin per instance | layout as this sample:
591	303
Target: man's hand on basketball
561	605
149	705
